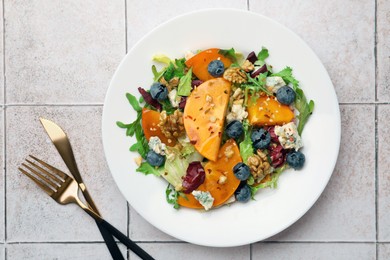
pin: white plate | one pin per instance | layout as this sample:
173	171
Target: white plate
273	210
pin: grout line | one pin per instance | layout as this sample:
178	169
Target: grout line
4	175
367	103
376	180
250	252
375	50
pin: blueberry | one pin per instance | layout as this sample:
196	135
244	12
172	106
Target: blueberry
295	159
216	68
234	129
155	159
243	193
285	95
158	91
261	138
241	171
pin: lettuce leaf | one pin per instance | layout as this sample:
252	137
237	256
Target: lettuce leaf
246	147
184	88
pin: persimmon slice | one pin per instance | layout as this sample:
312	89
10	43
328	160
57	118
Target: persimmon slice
219	180
201	60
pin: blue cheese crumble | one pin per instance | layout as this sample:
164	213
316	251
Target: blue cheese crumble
204	197
156	145
274	83
288	136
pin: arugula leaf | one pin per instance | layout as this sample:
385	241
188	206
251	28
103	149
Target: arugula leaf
169	72
180	67
133	102
175	69
263	54
273	183
305	109
146	168
256	84
230	54
246	148
184	88
157	74
286	75
167	106
172	196
141	146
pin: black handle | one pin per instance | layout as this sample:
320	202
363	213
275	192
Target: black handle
127	241
110	242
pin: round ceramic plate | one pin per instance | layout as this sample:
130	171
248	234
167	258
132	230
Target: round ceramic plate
274	209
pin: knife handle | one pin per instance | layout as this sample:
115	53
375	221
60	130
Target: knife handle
110	242
126	241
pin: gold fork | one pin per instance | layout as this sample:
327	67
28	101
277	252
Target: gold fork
58	185
64	190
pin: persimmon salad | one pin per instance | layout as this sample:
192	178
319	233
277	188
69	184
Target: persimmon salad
218	127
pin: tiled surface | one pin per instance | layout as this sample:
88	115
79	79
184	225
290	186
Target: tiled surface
59	251
193	252
62	51
383	50
59	58
323	251
383	173
143	16
33	216
340	32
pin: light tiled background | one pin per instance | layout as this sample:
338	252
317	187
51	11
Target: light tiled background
57	58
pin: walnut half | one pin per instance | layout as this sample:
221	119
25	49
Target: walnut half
172	126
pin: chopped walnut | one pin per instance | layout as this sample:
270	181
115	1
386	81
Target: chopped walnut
229	152
248	66
259	165
222	179
138	160
238	94
173	83
235	75
172	126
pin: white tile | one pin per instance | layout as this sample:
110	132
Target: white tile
141	230
143	16
383	173
192	252
62	51
341	33
383	251
60	251
317	251
383	50
346	209
31	214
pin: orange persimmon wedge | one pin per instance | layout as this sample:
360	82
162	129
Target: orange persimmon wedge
150	120
221	191
200	61
204	116
266	111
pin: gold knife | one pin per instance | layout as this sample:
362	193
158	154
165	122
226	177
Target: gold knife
61	142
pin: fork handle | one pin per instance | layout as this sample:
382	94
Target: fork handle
126	241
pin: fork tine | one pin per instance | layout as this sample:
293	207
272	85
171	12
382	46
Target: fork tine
42	176
54	176
38	182
57	171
